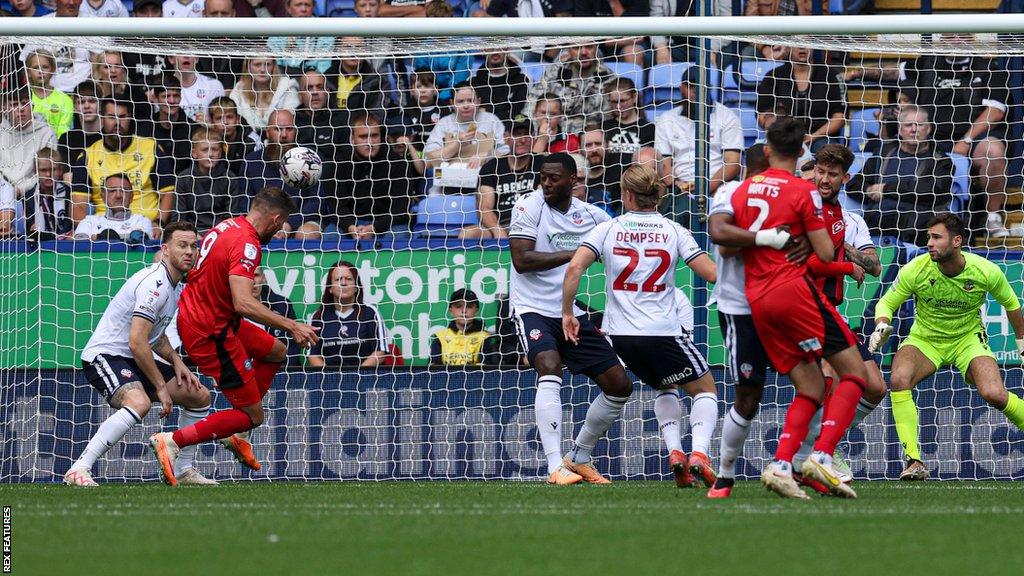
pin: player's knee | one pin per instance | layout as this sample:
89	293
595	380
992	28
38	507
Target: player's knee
547	363
255	413
197	399
748	399
874	391
278	353
995	396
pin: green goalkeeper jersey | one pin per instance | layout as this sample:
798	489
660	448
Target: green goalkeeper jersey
947	308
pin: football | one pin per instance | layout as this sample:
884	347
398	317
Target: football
301	168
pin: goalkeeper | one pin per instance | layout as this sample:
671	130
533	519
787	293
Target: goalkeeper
949	288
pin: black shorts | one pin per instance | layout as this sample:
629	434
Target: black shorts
592	356
661	361
108	373
748	360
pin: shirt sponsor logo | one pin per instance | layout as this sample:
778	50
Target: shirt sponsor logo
565	240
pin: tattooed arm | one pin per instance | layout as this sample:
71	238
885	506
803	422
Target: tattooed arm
866	259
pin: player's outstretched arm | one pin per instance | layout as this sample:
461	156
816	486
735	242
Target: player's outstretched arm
142	352
582	260
248	306
526	259
705	268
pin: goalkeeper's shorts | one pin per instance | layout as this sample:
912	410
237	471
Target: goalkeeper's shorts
959	352
228	358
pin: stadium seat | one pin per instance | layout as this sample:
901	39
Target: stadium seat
863	127
663	84
748	119
341	8
534	70
445	214
859	160
961	183
753	71
631	71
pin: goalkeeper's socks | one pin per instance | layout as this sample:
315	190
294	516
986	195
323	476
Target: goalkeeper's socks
864	409
217	425
794	430
668	413
265	372
703	419
109	433
735	429
547	406
904	414
603	412
813	431
839	411
1014	410
186	456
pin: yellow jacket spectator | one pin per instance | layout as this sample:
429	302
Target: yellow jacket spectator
121	151
464	342
55	106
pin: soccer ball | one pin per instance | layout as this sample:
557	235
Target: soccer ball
301	168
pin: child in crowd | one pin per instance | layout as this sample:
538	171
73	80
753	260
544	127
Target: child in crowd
55	106
203	193
464	342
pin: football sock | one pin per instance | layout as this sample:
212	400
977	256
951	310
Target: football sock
603	412
265	372
187	418
813	431
668	412
839	412
864	409
904	414
548	412
735	429
703	419
217	425
1015	410
109	433
794	430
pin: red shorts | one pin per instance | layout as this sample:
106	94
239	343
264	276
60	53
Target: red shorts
228	358
795	323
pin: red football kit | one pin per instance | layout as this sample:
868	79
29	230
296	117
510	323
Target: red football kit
794	320
830	277
216	338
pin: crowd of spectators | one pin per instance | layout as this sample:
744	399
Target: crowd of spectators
92	144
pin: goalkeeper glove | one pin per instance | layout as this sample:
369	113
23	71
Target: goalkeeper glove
879	337
774	238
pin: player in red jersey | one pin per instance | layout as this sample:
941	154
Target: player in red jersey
855	257
213	316
794	321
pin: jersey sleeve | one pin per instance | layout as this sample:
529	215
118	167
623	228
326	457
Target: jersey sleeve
721	202
317	322
380	332
730	131
902	288
244	258
687	247
809	208
150	296
525	218
857	234
594	239
999	288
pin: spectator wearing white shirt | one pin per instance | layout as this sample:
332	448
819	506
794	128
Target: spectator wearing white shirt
118	222
197	90
675	139
22	134
103	9
261	90
179	9
469	136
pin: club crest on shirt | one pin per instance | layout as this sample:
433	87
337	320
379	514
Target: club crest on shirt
344	330
535	334
248	363
968	286
577	218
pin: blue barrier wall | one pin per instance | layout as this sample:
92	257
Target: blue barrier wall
476	425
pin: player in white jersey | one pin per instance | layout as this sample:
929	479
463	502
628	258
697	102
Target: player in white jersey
547	227
186	9
640	251
103	9
119	358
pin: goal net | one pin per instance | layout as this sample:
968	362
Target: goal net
427	143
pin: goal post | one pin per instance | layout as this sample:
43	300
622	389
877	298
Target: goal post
418	218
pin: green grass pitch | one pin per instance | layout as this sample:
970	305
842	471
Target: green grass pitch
475	528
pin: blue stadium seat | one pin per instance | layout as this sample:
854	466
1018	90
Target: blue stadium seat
663	83
863	127
631	71
961	183
341	8
534	70
445	214
748	119
859	160
753	71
